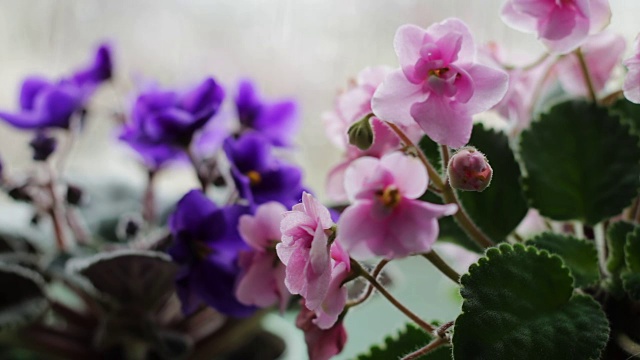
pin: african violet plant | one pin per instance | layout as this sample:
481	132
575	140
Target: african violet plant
547	200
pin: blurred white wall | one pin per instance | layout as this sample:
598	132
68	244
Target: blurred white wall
302	48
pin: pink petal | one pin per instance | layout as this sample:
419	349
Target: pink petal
452	25
394	97
564	31
357	174
335	182
516	19
407	43
356	230
410	176
261	229
490	86
257	286
631	87
600	15
443	121
373	76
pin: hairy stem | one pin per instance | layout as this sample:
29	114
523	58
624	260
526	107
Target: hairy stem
149	201
54	210
601	247
448	194
415	318
441	265
375	273
430	347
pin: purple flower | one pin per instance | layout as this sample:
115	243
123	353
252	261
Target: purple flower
259	177
52	104
163	122
206	245
278	121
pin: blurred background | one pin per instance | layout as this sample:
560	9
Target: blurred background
306	49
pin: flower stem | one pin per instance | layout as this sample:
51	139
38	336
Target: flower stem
196	167
415	318
448	194
441	265
601	247
446	155
54	209
376	271
423	351
587	76
149	203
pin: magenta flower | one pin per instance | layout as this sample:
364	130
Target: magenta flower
262	279
321	344
305	250
602	53
385	218
562	25
336	297
631	85
353	104
440	85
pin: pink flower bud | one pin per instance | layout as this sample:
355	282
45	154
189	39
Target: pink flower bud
469	170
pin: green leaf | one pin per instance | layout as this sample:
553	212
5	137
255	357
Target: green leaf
518	303
23	298
579	255
582	163
432	151
503	199
616	240
629	112
631	275
408	340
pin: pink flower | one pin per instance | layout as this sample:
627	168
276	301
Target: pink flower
562	25
631	85
384	141
305	250
336	297
321	344
440	85
385	219
602	53
262	279
353	104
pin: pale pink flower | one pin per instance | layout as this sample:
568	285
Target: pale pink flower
440	85
336	298
262	279
631	85
385	219
602	53
384	141
321	344
532	224
305	250
561	25
353	104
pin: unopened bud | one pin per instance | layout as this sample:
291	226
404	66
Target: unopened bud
361	133
469	170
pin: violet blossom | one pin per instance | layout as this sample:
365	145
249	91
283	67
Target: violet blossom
385	218
278	121
163	122
439	85
260	177
48	103
206	246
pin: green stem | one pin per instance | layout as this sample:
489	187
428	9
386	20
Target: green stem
376	271
441	265
415	318
448	194
425	350
587	76
446	155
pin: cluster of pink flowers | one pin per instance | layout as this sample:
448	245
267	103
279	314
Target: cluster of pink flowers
443	80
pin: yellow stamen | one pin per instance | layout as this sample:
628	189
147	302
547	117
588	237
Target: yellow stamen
254	177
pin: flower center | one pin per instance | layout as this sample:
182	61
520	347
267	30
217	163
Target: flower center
254	177
390	196
201	250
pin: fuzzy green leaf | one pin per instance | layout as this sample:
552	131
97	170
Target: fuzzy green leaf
582	163
518	303
629	112
503	199
407	340
579	255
